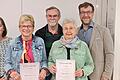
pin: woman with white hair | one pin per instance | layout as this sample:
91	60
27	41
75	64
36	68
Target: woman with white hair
69	47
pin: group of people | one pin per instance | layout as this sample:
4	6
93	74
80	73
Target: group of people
91	46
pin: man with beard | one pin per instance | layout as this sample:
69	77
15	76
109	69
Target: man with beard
99	41
51	31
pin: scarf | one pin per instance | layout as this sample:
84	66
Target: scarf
27	55
69	43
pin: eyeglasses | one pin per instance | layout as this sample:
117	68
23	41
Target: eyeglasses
26	26
86	12
52	16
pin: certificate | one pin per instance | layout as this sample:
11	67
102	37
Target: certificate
65	69
29	71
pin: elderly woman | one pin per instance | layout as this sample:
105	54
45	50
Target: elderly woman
26	48
69	43
4	41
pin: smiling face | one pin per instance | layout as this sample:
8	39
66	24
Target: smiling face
69	30
86	15
26	29
53	17
26	26
1	28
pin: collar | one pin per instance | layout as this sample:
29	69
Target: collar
19	39
61	44
89	26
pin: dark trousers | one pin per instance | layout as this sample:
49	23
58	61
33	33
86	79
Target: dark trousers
49	77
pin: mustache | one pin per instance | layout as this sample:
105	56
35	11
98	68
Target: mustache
52	20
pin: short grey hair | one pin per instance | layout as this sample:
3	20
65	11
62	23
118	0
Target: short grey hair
53	7
66	21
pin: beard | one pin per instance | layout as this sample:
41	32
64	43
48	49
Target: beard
86	22
52	23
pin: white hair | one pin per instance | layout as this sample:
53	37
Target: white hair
66	21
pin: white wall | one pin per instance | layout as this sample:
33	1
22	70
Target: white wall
37	9
11	11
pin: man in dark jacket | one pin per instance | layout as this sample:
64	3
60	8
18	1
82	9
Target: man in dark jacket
51	31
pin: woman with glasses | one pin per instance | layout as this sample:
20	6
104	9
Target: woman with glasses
26	48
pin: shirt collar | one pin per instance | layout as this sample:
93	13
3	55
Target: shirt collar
19	39
90	25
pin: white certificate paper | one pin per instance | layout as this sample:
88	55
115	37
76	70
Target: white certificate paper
29	71
65	69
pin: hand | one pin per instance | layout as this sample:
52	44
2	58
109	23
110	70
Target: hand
42	74
2	79
104	78
52	69
79	73
15	75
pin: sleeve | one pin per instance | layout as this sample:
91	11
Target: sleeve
8	56
40	33
44	58
89	65
50	58
37	33
109	53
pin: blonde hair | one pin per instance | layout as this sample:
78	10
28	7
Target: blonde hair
26	17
